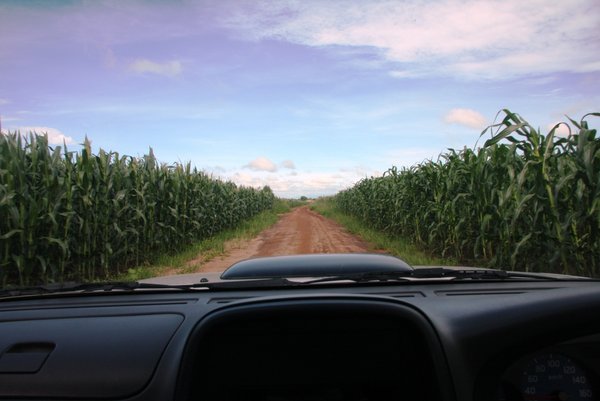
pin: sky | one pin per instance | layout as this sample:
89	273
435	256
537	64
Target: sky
307	97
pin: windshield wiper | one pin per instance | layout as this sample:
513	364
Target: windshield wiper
415	276
131	286
435	273
74	287
441	273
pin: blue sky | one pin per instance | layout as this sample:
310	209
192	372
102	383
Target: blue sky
305	96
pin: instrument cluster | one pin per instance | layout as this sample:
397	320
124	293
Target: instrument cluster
569	371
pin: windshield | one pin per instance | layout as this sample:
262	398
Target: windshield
144	139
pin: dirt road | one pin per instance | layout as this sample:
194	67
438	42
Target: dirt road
300	231
297	232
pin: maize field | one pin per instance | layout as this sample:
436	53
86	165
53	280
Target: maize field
523	201
68	215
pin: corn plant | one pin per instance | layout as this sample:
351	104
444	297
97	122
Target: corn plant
68	215
523	200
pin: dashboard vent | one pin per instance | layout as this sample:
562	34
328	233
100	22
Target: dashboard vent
489	291
82	302
226	300
404	294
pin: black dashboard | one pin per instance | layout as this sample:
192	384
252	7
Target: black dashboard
493	340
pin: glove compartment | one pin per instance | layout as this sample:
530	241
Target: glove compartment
84	357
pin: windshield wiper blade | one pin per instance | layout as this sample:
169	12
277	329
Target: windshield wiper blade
418	275
88	287
422	274
435	273
268	282
477	274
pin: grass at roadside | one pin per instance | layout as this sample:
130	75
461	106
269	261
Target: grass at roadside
209	248
381	241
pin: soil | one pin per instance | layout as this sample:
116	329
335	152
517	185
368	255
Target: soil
300	231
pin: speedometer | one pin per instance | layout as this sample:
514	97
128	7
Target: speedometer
554	377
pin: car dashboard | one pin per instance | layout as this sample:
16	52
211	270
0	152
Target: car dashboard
433	340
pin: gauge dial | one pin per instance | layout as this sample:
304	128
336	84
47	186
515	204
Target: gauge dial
555	377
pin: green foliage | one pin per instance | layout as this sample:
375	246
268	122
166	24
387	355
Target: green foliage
378	240
190	258
293	203
78	216
523	201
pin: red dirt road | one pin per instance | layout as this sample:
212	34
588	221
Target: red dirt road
300	231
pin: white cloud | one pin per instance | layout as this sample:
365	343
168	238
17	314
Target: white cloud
562	130
473	39
169	69
295	184
467	117
308	184
288	164
55	137
262	164
405	74
3	102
